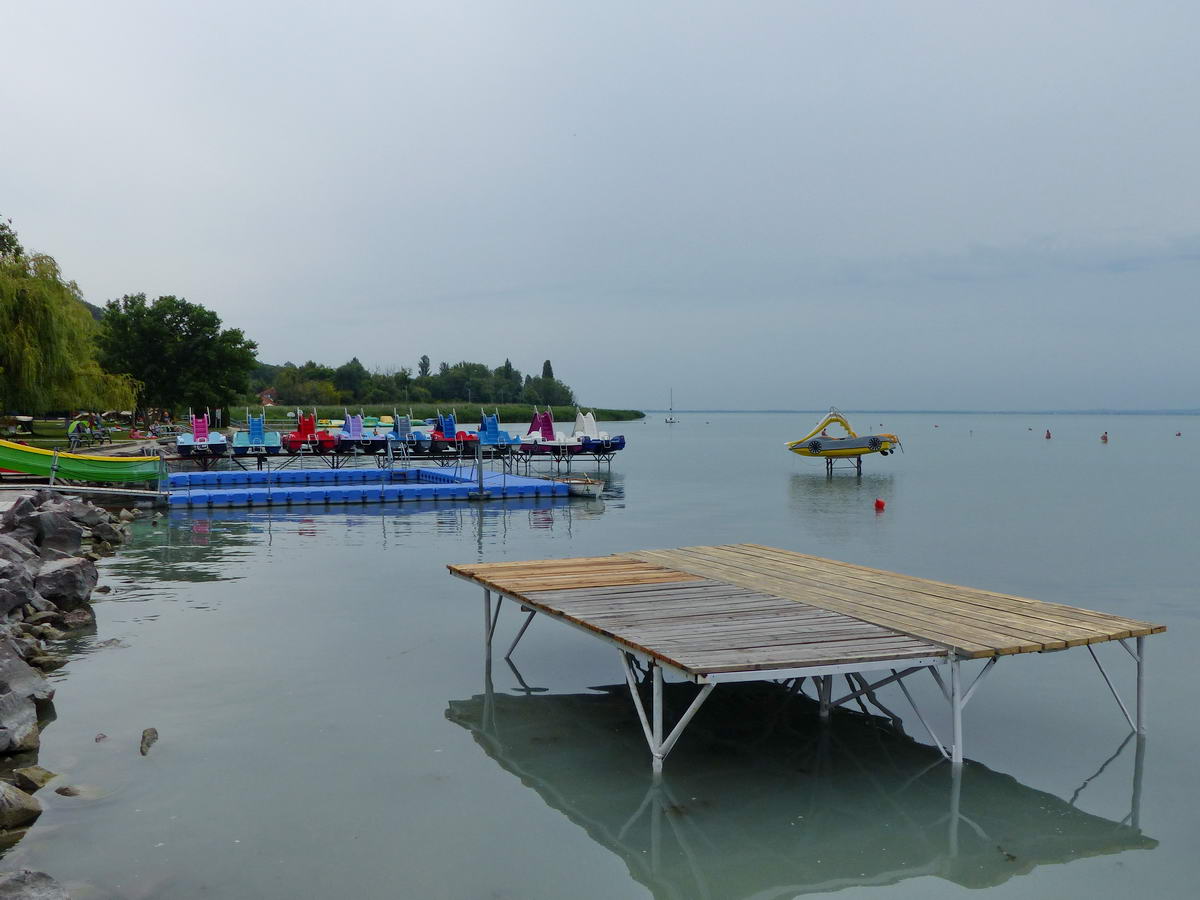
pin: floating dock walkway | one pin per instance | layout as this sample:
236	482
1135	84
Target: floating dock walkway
746	612
292	487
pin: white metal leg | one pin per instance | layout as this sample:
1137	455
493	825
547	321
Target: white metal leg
1141	671
652	725
978	678
1139	762
913	703
955	807
685	718
637	699
520	634
956	751
656	747
1113	690
487	621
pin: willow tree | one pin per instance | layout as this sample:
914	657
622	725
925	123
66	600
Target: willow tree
47	350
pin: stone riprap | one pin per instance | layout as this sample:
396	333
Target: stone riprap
49	544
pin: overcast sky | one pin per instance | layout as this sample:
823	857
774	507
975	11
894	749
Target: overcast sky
789	205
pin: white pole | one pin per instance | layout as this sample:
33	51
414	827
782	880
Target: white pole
956	751
479	465
1141	666
658	718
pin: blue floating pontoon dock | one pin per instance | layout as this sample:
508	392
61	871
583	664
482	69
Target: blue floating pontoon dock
285	487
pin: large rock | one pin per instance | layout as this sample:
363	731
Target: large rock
79	511
17	513
67	583
106	532
20	687
17	808
43	496
29	885
16	586
79	618
17	550
32	779
55	531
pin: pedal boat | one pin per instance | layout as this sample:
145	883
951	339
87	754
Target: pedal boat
819	443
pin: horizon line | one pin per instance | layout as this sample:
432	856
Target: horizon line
959	412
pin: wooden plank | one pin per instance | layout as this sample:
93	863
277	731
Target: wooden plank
737	620
575	562
1060	612
965	640
737	661
837	640
1001	636
749	607
1003	622
532	584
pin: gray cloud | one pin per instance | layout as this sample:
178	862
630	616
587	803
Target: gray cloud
768	204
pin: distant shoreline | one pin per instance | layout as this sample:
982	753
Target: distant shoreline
950	412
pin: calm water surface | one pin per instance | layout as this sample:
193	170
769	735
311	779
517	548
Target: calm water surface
317	681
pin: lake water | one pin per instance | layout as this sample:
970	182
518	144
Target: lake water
317	681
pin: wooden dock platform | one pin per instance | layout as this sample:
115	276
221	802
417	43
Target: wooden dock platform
749	612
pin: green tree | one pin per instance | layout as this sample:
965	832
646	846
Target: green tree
9	245
177	350
547	370
47	339
423	367
506	381
352	379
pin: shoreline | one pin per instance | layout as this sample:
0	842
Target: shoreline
50	543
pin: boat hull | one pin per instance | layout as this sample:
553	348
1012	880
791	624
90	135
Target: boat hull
842	448
319	443
602	445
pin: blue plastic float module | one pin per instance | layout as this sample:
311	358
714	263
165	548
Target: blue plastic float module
191	480
339	486
349	494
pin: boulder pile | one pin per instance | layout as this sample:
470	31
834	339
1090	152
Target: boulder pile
49	545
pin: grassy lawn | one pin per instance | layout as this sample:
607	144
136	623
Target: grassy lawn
51	434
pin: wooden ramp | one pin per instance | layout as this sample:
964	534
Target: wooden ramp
747	612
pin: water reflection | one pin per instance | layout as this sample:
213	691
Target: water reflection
832	505
759	801
187	549
202	548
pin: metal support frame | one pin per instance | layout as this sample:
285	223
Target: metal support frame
653	728
521	633
1137	722
956	696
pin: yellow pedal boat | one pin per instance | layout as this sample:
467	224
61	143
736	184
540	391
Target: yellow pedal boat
819	442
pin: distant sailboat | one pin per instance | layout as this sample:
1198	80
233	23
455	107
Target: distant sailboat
670	419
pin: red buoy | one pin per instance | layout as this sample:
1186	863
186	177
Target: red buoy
879	505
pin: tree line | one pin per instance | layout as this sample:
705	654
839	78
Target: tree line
166	353
317	384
